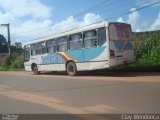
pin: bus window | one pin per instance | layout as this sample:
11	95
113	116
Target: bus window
38	49
76	41
120	31
112	32
102	36
41	48
33	49
51	46
26	53
43	45
62	44
90	39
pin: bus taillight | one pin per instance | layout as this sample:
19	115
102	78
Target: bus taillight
112	54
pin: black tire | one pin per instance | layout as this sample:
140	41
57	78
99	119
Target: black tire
71	69
35	70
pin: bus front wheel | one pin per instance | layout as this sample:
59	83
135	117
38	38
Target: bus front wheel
35	70
71	69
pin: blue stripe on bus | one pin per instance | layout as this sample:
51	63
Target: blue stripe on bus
92	53
79	55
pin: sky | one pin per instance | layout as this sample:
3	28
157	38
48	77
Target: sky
33	19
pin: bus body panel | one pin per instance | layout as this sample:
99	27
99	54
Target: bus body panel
92	65
91	62
51	67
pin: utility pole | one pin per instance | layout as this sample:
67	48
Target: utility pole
9	38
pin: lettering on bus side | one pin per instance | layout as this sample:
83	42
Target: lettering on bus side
48	59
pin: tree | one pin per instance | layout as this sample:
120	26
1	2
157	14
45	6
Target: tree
3	45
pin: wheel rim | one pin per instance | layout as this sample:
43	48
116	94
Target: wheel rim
71	69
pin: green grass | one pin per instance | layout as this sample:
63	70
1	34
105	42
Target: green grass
3	68
138	68
12	62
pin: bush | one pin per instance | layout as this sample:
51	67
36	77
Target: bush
3	68
15	50
148	54
151	57
18	63
147	45
7	60
13	62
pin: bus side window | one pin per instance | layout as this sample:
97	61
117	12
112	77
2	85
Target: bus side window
102	36
51	46
26	53
90	39
41	48
33	49
76	41
62	44
38	51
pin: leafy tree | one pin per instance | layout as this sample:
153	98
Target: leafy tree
3	45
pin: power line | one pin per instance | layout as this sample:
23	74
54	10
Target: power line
76	15
122	14
128	7
93	8
133	10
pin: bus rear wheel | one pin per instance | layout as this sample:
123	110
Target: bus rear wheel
71	69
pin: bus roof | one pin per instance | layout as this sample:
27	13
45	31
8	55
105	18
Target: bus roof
81	29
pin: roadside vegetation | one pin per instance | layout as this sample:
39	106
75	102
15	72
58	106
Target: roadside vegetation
147	50
14	61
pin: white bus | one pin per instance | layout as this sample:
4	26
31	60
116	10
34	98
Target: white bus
97	46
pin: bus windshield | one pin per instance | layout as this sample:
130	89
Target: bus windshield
120	31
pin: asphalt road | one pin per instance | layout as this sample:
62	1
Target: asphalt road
23	92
